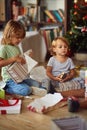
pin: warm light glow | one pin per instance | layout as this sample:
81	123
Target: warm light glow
85	0
75	1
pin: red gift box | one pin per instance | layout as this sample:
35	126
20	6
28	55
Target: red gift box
10	106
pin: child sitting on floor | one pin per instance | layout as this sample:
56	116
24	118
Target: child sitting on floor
61	69
13	34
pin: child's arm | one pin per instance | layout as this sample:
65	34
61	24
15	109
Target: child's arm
5	62
50	75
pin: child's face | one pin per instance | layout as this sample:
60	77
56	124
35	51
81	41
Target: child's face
16	40
61	48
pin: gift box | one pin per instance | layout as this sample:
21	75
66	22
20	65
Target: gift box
2	93
18	72
82	72
10	106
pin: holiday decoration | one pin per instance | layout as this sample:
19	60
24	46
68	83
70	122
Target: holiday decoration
77	35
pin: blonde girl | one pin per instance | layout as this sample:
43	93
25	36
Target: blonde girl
13	34
60	68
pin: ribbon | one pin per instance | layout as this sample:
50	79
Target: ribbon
4	103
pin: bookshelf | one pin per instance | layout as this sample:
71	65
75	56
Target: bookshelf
40	19
40	22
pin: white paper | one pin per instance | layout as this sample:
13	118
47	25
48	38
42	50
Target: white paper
46	101
30	63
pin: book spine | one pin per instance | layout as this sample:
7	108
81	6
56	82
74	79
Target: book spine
47	12
51	11
61	13
57	15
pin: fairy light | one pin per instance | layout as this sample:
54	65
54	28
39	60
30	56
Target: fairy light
75	1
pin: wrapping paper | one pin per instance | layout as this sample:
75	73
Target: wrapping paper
46	103
19	72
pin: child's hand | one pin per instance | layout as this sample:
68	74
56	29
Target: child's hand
61	77
20	59
58	78
31	54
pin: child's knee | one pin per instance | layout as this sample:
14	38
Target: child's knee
26	91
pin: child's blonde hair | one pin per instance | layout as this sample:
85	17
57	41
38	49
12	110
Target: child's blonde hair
54	44
12	29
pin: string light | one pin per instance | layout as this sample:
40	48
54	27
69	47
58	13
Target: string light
75	1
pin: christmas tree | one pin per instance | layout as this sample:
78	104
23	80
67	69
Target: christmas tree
77	35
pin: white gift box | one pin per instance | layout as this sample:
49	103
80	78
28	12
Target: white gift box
13	108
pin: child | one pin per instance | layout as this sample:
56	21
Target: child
13	34
60	68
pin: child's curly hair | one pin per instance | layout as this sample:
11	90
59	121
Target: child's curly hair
54	43
12	28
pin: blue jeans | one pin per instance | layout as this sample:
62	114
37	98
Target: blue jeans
23	88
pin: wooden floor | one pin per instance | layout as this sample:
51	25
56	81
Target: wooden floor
27	120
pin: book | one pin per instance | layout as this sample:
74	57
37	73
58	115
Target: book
49	14
19	72
41	14
69	123
51	11
57	15
60	11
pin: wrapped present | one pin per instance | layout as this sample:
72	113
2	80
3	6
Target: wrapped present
10	106
18	72
2	91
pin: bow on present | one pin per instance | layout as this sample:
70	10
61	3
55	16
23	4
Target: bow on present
4	102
